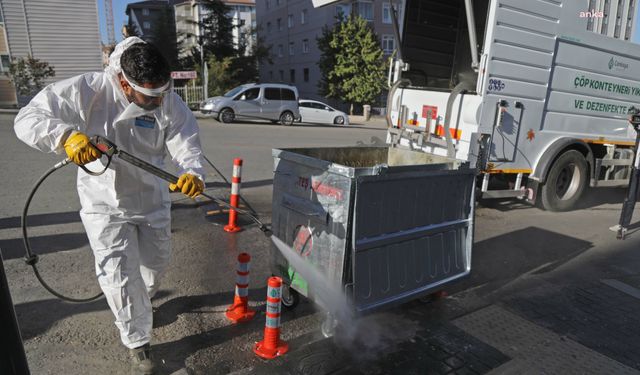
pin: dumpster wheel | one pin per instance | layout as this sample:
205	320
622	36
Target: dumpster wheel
290	297
328	326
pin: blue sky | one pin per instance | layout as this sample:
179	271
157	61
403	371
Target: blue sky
120	18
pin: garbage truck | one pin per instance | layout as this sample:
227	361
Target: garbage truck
533	93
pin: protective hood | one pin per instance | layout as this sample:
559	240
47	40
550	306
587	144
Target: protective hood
114	59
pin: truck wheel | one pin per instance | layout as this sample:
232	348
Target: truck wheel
286	118
566	181
226	115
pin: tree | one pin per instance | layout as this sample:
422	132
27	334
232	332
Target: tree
28	74
220	75
217	30
163	36
250	52
352	64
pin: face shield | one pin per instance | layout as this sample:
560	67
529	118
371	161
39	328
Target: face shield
157	100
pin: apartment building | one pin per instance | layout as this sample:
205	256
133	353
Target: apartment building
187	13
145	15
291	28
64	33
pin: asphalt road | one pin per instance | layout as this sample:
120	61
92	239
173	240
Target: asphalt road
515	246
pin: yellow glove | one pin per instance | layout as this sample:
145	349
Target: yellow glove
79	149
189	185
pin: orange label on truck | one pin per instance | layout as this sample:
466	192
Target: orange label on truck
455	133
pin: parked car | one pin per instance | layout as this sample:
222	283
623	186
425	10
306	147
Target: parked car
255	101
318	112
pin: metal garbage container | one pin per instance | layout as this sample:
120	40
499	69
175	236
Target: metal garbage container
386	224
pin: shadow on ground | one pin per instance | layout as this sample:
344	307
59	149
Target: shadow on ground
500	260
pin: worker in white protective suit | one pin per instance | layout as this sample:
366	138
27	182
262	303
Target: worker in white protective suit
125	211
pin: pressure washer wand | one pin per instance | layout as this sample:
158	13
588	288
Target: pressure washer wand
109	148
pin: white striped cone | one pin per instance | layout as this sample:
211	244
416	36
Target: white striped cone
239	311
235	195
271	346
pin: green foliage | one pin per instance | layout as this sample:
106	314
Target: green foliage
248	56
217	30
28	74
165	39
229	64
352	64
221	75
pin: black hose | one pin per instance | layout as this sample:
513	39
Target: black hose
30	258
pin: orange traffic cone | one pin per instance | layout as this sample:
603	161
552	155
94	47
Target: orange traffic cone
271	346
236	179
239	311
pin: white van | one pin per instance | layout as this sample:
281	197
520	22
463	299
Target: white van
255	101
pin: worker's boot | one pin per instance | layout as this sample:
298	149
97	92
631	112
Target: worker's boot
141	363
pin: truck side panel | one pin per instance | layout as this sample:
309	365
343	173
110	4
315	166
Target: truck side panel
536	53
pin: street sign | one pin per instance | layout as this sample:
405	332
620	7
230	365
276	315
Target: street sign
192	74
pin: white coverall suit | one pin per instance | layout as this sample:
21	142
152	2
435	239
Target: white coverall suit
125	211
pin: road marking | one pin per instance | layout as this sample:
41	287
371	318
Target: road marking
624	288
533	349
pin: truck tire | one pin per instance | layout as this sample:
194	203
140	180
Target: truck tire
566	181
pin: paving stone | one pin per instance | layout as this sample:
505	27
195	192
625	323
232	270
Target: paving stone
534	347
596	315
454	362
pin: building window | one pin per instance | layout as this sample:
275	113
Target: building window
279	22
306	74
343	10
291	49
386	12
290	20
303	16
292	75
5	62
268	27
280	49
305	45
145	11
281	75
146	25
268	4
365	10
388	43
